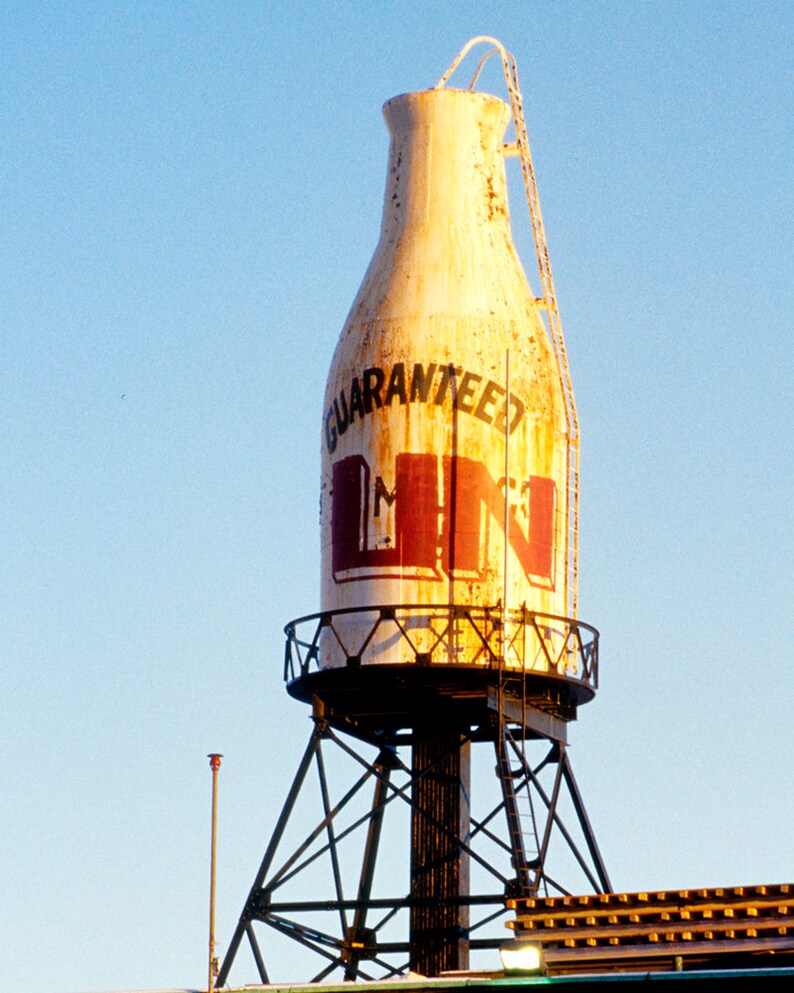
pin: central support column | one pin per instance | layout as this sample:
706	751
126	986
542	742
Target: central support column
440	821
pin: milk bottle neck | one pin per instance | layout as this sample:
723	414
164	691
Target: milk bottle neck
446	163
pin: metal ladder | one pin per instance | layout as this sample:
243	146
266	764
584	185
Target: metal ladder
520	812
547	303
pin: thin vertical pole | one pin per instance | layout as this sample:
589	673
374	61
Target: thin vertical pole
215	764
244	924
507	510
503	653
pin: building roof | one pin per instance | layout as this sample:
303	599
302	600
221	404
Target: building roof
744	927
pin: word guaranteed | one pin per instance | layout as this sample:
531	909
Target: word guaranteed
469	392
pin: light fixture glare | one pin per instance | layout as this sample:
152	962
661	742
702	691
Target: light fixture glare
521	956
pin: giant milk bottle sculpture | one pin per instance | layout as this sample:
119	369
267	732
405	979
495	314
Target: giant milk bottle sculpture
442	368
449	566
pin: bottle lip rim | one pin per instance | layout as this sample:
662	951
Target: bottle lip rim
447	92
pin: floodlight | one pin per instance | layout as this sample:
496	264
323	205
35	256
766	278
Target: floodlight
521	956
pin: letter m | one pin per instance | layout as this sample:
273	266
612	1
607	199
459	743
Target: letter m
415	500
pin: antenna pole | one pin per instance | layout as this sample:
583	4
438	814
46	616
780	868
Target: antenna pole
215	764
503	659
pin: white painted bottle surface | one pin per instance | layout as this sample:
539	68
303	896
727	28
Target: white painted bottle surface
420	406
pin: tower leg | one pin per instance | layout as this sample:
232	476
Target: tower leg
244	924
358	935
584	820
440	824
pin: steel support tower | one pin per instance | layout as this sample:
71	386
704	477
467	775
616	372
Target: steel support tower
408	733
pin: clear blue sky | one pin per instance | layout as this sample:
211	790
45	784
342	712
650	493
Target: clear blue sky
190	196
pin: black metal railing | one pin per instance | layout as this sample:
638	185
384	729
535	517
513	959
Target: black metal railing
518	641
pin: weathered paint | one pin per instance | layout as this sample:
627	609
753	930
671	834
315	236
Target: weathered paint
417	409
